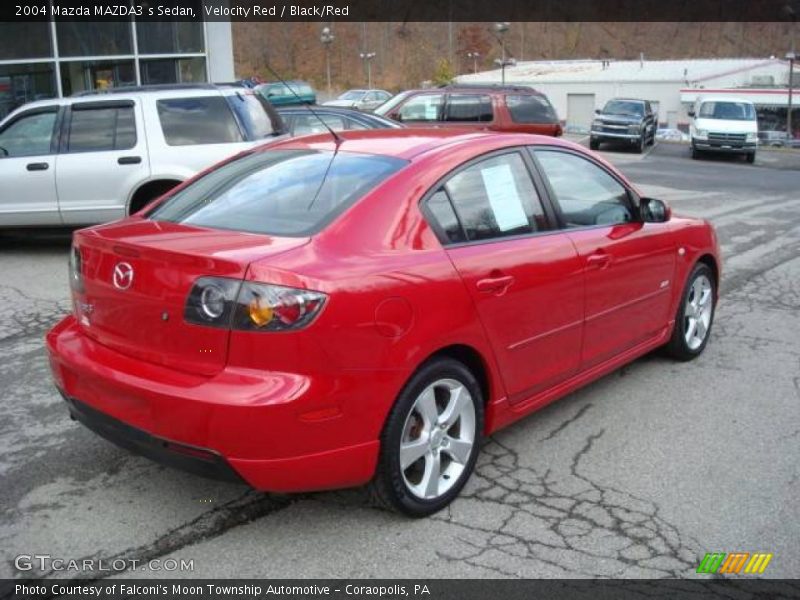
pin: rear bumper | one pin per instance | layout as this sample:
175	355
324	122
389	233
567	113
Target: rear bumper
199	461
281	432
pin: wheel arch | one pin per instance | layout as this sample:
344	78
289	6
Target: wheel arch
711	262
470	358
149	190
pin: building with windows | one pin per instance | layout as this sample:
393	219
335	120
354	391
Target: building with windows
52	59
577	87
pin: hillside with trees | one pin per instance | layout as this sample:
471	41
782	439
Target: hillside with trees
409	53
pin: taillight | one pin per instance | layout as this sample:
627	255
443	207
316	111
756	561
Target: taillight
250	306
75	270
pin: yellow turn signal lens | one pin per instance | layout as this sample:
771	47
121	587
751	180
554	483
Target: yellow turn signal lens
260	311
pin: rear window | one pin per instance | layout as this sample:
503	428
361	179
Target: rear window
469	108
255	115
282	192
201	120
530	109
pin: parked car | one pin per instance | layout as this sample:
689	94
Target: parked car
484	107
300	120
279	94
722	124
98	157
326	313
360	99
624	120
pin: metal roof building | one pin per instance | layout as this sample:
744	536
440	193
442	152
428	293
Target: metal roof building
577	87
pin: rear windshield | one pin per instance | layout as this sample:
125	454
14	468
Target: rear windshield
280	192
256	116
530	109
732	111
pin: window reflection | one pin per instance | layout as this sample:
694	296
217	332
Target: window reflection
79	38
169	37
25	40
81	76
23	83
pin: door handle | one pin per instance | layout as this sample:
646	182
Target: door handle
129	160
598	260
495	285
38	166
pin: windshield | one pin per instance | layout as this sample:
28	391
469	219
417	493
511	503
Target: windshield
352	95
387	106
730	111
623	107
279	192
255	115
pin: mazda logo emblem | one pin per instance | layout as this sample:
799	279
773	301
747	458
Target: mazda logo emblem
123	276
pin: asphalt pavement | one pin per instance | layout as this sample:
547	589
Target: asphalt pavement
637	475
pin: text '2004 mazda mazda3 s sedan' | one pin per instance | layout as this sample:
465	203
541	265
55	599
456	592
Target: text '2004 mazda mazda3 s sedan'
332	312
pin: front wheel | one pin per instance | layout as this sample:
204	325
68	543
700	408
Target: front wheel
695	315
642	143
431	440
594	144
751	157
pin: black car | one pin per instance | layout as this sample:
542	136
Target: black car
300	120
624	120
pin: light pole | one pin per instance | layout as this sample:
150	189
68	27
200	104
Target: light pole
500	29
327	37
791	57
367	57
474	56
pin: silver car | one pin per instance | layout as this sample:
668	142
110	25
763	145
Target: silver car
360	99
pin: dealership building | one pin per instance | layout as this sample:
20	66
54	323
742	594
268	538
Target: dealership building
46	59
577	87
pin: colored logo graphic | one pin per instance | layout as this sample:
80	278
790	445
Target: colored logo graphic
734	563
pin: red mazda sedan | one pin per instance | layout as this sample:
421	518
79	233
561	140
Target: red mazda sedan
325	313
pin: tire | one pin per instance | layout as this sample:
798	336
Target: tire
698	303
695	153
642	143
439	385
751	157
594	144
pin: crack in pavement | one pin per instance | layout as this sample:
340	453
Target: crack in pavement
569	522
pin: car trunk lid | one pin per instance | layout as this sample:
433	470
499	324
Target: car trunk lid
137	275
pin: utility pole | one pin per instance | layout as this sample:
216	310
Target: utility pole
474	56
367	57
791	57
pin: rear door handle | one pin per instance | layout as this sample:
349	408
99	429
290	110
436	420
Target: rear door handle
495	285
129	160
598	260
38	166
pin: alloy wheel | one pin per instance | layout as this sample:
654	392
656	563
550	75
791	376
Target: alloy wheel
697	312
438	439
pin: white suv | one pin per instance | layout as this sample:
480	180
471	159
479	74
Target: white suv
100	156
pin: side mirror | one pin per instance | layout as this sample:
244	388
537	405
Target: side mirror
655	211
397	116
691	113
597	111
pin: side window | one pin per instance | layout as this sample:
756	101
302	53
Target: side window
496	198
101	129
469	108
308	124
443	214
28	135
201	120
529	108
353	124
424	107
586	194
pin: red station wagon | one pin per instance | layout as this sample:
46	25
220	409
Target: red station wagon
324	313
482	107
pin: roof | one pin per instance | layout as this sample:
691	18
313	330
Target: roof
407	143
579	71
